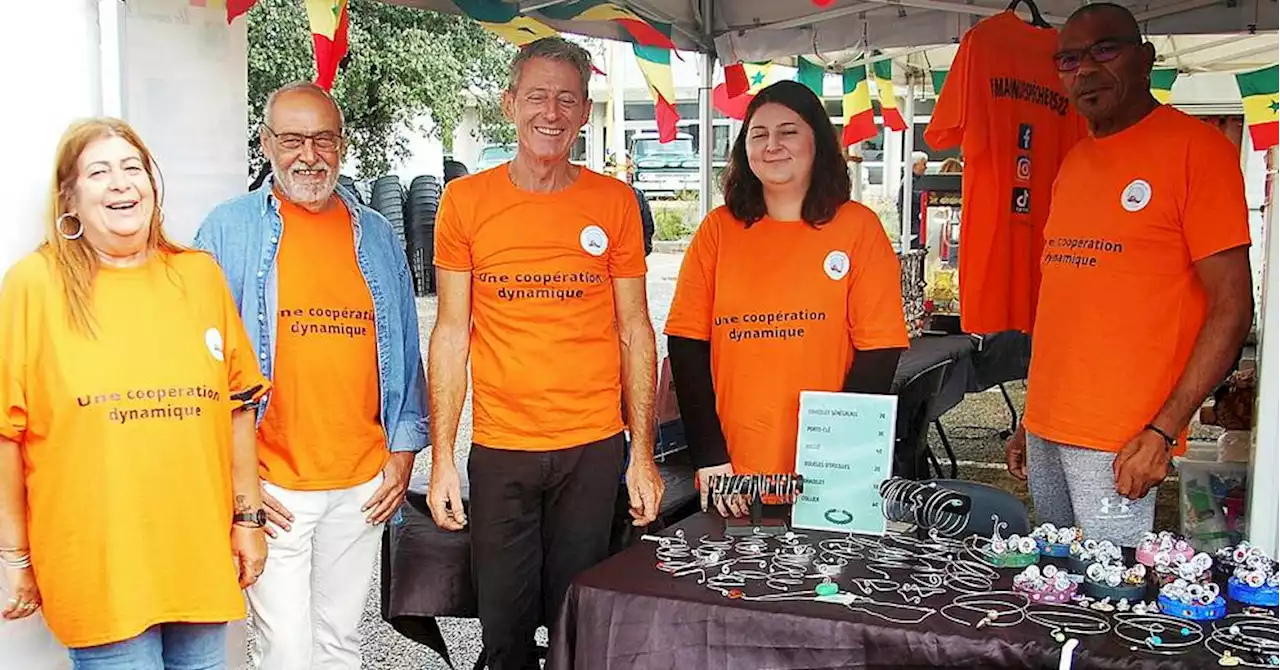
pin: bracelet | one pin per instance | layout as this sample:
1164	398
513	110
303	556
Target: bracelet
1170	441
19	563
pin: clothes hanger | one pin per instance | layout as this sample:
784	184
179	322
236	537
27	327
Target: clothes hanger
1037	19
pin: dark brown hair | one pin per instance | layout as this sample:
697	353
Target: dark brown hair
828	183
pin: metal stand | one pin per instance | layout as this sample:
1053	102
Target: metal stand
755	522
786	488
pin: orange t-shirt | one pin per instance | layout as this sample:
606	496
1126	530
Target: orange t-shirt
126	442
546	365
1005	106
322	429
784	305
1121	304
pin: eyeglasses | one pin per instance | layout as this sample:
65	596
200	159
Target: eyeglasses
1101	51
322	141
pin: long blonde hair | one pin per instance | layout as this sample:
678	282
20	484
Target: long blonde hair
76	261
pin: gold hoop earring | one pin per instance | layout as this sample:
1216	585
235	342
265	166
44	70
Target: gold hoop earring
79	227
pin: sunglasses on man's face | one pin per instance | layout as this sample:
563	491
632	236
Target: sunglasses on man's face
1101	51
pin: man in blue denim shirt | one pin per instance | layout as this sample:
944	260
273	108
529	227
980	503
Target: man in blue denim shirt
325	293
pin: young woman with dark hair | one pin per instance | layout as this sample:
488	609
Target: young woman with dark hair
788	287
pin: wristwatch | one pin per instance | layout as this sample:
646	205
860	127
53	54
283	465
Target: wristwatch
256	519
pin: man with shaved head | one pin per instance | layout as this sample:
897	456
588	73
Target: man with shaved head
325	293
1146	293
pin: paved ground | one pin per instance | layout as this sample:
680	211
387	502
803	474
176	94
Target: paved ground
972	428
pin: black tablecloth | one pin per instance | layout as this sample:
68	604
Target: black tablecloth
624	613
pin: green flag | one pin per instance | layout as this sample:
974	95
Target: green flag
938	77
810	74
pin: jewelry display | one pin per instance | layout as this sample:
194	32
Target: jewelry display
1192	600
1163	548
1253	576
1062	620
997	608
782	489
1045	586
1109	578
1084	552
1011	552
1054	541
1157	633
926	506
1245	641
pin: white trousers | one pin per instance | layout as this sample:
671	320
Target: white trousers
308	602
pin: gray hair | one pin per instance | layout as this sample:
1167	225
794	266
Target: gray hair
301	86
917	156
551	48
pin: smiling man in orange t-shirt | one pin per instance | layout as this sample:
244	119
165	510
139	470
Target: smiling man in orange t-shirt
541	283
1146	293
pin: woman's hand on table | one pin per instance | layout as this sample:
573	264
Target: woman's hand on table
726	505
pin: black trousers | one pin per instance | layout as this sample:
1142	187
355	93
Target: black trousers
537	520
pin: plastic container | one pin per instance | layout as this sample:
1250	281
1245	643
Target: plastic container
1132	593
1262	596
1077	566
1051	597
1211	612
1213	498
1013	560
1054	549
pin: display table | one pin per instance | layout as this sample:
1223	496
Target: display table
624	613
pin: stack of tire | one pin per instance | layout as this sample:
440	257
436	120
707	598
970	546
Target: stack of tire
349	184
387	197
421	205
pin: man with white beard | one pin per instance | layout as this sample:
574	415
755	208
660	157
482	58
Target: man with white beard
326	296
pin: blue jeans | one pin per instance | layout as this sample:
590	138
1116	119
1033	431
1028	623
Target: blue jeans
168	646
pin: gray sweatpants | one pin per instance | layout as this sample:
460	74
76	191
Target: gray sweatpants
1071	486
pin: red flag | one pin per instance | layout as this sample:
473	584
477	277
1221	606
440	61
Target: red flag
734	107
735	79
237	7
329	35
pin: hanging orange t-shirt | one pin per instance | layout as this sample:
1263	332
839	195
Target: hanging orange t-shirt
1121	304
126	442
546	366
1004	104
322	429
784	305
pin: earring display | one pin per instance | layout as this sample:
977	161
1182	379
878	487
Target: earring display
1164	548
1049	585
1054	541
1012	552
1192	600
1254	578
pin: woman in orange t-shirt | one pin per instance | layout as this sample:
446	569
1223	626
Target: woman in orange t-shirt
788	287
129	499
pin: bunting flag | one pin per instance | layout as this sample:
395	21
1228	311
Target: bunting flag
655	65
883	71
329	36
938	77
1260	91
505	21
810	74
641	31
1162	84
734	106
236	8
859	118
757	76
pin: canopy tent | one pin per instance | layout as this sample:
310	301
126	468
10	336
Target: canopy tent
1190	35
759	30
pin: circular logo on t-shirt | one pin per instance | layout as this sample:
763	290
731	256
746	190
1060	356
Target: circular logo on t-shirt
213	340
836	265
594	240
1135	196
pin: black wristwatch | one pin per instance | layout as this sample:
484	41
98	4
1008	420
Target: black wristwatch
1169	441
256	519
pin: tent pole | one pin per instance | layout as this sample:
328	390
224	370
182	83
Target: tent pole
1264	516
618	97
908	146
706	131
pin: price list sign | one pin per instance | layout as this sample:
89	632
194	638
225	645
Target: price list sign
844	450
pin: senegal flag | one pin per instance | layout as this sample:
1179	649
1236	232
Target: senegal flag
636	27
1260	91
505	21
1162	84
329	35
810	74
883	71
655	65
859	118
938	77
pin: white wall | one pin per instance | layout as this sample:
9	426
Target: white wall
178	74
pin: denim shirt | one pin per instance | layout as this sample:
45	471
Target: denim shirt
243	234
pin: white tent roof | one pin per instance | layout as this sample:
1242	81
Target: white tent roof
760	30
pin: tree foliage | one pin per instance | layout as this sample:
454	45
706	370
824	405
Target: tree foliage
402	63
